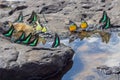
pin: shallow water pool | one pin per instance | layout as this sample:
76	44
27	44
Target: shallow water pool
91	53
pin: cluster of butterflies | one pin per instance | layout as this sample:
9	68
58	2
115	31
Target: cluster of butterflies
30	39
105	21
73	27
33	39
34	20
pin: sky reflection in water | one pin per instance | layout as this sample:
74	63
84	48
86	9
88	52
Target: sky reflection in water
93	46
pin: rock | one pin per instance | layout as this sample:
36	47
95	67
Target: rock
63	11
20	62
3	5
102	0
108	72
103	67
116	70
54	8
17	8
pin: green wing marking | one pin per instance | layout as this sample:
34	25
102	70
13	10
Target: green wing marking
27	39
104	17
34	42
108	24
9	32
20	18
56	42
21	38
33	17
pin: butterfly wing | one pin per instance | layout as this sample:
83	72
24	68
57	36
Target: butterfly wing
9	32
56	42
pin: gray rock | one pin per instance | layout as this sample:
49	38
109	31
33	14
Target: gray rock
20	62
63	10
3	5
54	8
116	70
17	8
103	67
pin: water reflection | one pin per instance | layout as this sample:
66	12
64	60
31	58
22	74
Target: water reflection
90	53
76	68
105	36
77	63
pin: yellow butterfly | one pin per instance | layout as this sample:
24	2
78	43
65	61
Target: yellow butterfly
44	29
83	25
38	26
73	26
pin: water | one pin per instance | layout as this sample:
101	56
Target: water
76	68
90	53
77	63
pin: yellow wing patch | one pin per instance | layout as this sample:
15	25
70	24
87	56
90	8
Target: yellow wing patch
84	25
38	27
44	29
72	28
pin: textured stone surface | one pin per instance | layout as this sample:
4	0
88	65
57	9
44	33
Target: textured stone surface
20	62
59	12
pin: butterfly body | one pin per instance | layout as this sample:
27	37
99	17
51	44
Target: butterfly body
33	18
21	38
34	42
20	18
27	39
56	42
72	27
83	25
38	26
104	17
107	24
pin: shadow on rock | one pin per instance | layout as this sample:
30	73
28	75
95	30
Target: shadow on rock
35	72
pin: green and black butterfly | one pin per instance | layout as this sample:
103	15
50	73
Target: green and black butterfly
34	41
105	20
33	18
104	17
9	32
107	24
27	39
56	42
21	38
20	18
